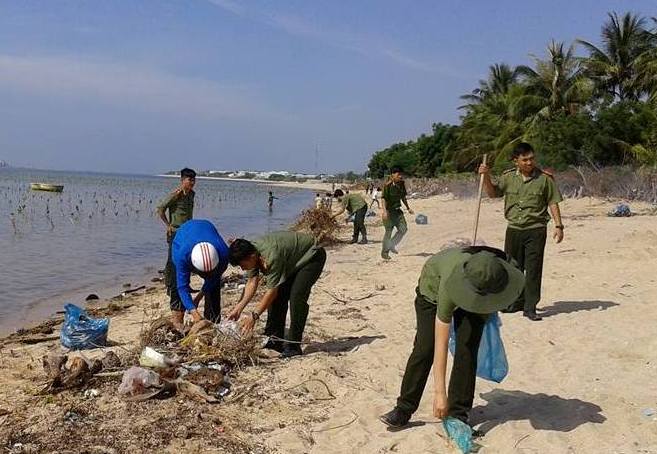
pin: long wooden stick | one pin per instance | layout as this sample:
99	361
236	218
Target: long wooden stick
479	196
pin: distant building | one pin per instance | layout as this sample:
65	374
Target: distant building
3	164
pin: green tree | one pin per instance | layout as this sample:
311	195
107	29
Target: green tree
556	85
501	77
616	66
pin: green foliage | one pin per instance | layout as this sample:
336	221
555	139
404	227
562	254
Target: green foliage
597	110
422	157
277	177
564	140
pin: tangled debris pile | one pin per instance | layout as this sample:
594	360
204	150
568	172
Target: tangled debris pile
319	223
121	403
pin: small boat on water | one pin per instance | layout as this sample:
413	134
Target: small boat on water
46	187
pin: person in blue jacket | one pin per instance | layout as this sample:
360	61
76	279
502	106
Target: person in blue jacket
197	248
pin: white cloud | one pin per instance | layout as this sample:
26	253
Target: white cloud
145	89
230	5
365	45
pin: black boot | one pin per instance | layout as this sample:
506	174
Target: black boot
396	418
533	316
274	345
291	350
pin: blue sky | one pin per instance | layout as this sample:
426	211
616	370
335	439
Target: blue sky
146	86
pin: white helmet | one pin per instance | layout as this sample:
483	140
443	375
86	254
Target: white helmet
205	257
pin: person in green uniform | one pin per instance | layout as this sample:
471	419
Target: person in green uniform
394	194
290	263
463	285
529	193
354	204
176	209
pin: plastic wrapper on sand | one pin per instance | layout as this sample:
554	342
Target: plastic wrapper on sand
137	380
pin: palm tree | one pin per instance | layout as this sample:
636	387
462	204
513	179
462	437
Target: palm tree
647	67
556	85
492	126
501	77
615	66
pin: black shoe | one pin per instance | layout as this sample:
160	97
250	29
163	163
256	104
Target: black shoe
385	256
533	316
274	345
291	350
363	241
511	310
477	433
394	251
353	241
395	418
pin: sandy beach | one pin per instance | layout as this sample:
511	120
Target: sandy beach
580	381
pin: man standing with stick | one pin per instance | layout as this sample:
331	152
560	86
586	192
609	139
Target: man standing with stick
528	194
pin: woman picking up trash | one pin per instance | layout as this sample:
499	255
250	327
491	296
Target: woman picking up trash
465	285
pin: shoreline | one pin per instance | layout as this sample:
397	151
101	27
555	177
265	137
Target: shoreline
359	333
36	311
308	184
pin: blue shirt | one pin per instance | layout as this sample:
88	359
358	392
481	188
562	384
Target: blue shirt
187	236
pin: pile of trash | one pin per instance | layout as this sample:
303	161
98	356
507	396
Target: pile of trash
319	223
195	365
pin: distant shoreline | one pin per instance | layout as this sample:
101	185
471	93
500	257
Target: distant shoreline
308	184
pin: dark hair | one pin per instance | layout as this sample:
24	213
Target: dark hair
317	195
239	250
378	188
338	193
521	149
395	169
270	192
187	173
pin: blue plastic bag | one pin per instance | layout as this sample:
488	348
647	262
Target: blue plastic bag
621	210
460	433
421	219
80	331
491	357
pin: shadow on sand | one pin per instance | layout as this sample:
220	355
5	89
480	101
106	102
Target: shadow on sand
341	345
568	307
544	412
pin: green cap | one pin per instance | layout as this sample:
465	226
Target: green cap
484	284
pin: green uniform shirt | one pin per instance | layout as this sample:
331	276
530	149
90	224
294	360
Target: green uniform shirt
526	202
393	194
180	206
284	254
353	202
435	272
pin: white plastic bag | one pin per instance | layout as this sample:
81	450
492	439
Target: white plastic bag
137	379
229	328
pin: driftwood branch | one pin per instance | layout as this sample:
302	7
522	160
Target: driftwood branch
353	420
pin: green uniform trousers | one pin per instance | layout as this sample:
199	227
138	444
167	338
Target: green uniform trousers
460	393
359	223
526	247
395	220
295	291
